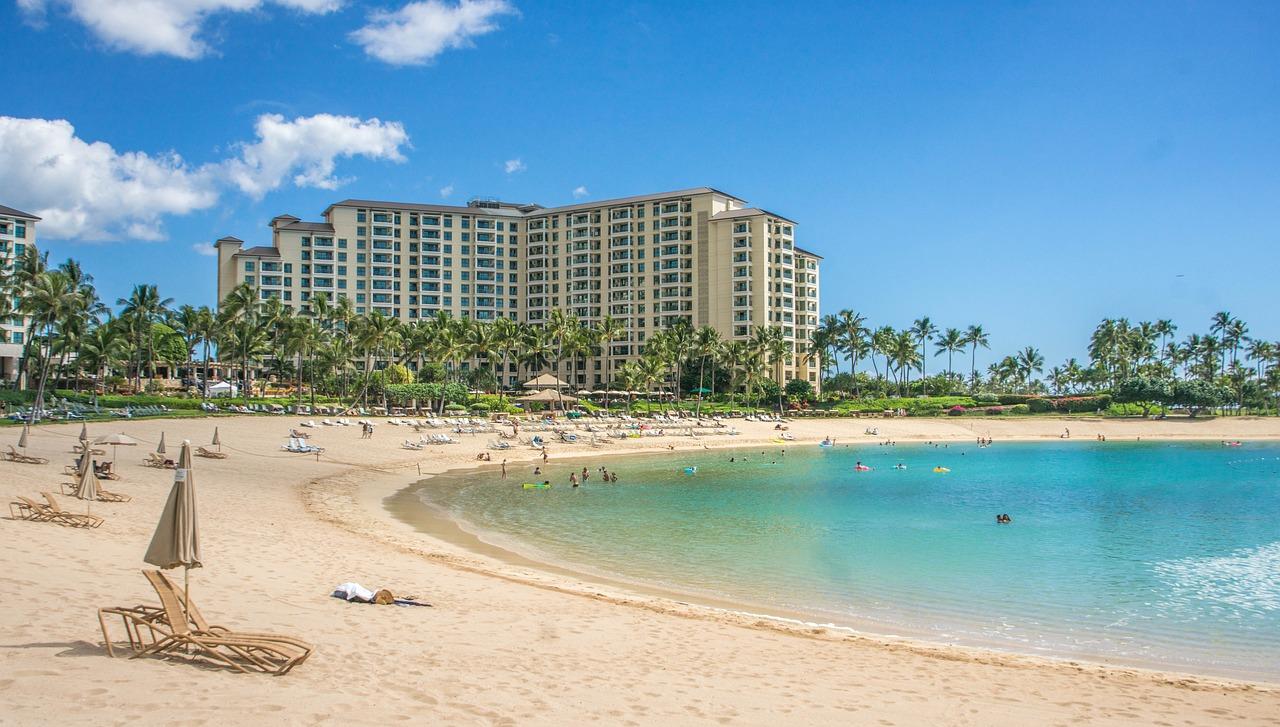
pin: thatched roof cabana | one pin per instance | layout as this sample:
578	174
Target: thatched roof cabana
545	381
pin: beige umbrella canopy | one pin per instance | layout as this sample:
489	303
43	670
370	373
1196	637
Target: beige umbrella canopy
116	440
84	432
160	446
22	441
216	439
87	487
176	541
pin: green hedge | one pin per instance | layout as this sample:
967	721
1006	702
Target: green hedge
928	406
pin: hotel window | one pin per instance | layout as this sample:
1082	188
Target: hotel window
342	242
361	231
288	267
248	266
360	216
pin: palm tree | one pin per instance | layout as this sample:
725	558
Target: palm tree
609	330
562	328
47	301
951	341
852	337
1165	328
373	335
239	310
774	348
924	331
882	342
143	307
101	350
974	337
1029	362
205	328
186	323
905	356
680	339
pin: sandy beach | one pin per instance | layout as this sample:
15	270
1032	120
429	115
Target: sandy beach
504	643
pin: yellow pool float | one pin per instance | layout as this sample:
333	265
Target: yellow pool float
941	469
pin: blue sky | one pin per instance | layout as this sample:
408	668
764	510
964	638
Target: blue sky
1032	167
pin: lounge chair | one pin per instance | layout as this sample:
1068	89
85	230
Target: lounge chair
16	456
65	517
159	462
177	626
407	444
27	509
202	452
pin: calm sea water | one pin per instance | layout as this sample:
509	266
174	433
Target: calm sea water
1162	555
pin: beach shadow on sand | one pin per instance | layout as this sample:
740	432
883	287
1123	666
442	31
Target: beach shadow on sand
69	648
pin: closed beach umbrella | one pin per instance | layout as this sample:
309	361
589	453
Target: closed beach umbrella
177	538
84	432
216	439
160	446
87	487
116	440
22	441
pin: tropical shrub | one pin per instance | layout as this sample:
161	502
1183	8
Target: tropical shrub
799	390
1020	409
1015	398
1041	406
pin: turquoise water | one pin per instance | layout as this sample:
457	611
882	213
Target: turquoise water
1163	555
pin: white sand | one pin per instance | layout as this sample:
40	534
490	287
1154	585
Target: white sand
504	644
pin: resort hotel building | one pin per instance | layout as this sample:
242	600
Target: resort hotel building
695	254
17	230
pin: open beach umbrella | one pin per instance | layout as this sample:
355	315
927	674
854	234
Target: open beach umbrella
176	541
84	432
701	390
87	487
216	439
160	446
116	440
22	441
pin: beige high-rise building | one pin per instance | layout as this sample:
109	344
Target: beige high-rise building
698	254
17	231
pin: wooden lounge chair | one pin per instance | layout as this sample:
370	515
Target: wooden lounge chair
67	517
202	452
178	624
24	508
16	456
158	461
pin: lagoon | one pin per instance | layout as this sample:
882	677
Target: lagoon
1156	554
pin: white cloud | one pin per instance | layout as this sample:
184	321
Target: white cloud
420	31
511	166
446	190
88	190
205	248
310	145
160	27
579	192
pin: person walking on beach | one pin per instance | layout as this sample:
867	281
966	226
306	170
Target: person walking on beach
504	469
544	455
